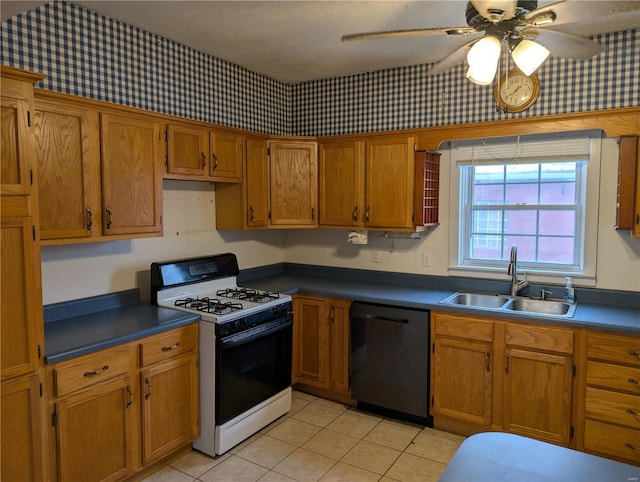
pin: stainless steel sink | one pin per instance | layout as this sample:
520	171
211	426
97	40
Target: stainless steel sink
543	307
477	299
511	304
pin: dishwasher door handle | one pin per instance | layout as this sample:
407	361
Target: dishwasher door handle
383	318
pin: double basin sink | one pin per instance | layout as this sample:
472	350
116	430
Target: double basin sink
511	304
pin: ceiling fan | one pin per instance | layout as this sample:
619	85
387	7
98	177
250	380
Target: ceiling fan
519	25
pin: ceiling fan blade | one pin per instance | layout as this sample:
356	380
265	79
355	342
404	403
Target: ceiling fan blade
562	44
496	10
454	58
410	33
572	11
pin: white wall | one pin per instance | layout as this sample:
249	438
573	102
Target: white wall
618	260
78	271
82	270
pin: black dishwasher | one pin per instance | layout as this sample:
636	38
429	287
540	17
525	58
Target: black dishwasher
390	361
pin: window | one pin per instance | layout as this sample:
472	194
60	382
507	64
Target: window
531	193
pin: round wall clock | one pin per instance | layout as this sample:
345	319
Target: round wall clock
516	91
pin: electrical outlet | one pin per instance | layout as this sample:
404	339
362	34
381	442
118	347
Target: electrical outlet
426	258
376	256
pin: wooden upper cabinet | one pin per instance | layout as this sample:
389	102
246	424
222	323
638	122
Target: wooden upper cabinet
187	150
257	184
341	184
68	157
16	136
131	174
389	183
226	153
293	179
20	295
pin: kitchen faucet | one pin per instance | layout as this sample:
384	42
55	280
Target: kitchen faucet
513	272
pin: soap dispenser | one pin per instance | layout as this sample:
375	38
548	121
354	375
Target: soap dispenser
569	296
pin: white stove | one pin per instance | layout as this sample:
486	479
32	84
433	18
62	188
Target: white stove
245	346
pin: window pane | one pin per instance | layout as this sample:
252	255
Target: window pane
522	194
486	222
558	171
522	172
558	222
484	194
485	174
485	246
558	193
556	250
521	222
526	247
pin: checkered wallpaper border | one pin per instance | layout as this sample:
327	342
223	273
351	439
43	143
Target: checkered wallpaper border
88	54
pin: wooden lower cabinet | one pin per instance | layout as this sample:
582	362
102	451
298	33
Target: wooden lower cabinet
494	375
94	435
117	411
22	433
611	396
321	346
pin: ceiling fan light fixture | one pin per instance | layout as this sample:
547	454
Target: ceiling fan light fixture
483	60
529	55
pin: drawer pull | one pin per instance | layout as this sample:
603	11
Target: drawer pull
172	347
631	411
629	446
96	372
634	353
633	380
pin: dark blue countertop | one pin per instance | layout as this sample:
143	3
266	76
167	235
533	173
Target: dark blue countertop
78	327
596	309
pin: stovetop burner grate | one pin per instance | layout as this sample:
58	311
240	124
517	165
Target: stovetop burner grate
208	305
248	294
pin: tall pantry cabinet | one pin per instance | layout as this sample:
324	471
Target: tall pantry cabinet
22	335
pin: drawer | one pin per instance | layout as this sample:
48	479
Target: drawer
464	326
167	345
605	439
614	348
614	407
89	370
548	338
617	377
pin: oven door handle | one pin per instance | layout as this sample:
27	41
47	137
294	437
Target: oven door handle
235	340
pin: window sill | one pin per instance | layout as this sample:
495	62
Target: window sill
533	276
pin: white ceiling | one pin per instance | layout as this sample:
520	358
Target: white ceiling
296	41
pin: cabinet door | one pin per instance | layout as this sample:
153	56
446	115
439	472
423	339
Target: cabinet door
95	433
340	347
131	175
293	175
389	183
226	156
341	174
310	342
67	151
537	395
462	380
187	150
169	406
16	164
22	449
257	184
20	296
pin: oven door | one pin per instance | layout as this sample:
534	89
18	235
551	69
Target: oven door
252	367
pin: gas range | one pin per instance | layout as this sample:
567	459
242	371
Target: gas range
208	286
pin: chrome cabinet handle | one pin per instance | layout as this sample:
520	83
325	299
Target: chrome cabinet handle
89	219
108	218
172	347
96	372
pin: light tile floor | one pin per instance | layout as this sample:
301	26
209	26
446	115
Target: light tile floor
320	440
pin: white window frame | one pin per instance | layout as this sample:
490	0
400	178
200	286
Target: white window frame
528	149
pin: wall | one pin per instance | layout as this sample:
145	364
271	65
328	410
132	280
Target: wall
87	54
79	271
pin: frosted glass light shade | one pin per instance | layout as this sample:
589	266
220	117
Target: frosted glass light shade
529	55
483	60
